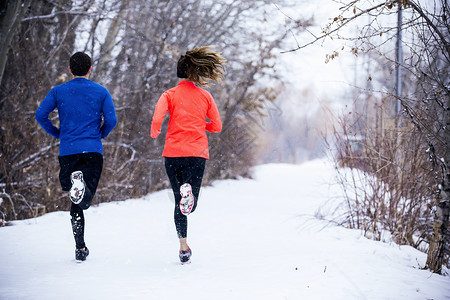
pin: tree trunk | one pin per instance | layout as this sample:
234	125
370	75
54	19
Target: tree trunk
11	12
439	245
106	56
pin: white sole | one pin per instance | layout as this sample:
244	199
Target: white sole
187	199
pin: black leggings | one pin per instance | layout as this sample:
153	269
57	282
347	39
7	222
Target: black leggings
91	164
181	170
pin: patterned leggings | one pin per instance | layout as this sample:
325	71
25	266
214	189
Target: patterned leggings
181	170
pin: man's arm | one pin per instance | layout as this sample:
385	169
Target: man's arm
46	107
109	116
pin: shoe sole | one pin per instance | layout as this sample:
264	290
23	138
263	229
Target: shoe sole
187	199
77	199
75	190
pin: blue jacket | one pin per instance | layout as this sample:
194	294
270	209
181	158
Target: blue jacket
82	106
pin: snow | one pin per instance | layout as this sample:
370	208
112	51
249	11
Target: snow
251	239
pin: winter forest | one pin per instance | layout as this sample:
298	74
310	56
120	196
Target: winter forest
386	129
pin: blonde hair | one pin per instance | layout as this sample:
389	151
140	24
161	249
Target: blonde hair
200	64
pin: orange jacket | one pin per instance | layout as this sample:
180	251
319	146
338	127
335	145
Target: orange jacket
188	107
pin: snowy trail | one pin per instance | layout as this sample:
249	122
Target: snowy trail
263	244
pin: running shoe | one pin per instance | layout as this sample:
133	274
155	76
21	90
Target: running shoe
78	187
187	199
185	256
81	254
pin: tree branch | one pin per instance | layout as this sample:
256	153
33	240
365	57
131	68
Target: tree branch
51	16
337	28
432	25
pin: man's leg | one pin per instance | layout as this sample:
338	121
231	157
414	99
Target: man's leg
90	164
77	221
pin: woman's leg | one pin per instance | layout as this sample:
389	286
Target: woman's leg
173	167
182	170
193	174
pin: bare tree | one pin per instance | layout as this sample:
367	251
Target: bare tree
28	73
143	66
11	13
426	52
135	45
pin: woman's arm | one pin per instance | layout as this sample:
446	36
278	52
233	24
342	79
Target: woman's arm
213	114
158	116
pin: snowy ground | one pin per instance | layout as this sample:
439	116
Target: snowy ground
251	239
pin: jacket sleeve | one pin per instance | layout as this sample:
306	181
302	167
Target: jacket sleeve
47	106
213	114
109	116
158	116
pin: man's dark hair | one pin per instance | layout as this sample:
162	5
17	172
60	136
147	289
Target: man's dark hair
80	63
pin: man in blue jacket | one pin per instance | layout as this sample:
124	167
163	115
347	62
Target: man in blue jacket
86	115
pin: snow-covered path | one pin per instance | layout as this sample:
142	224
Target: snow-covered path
251	239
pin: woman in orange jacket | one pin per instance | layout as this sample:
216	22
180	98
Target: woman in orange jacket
186	147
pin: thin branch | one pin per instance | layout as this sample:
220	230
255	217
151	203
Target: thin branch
51	16
432	25
337	28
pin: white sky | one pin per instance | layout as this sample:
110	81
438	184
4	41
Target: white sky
306	68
